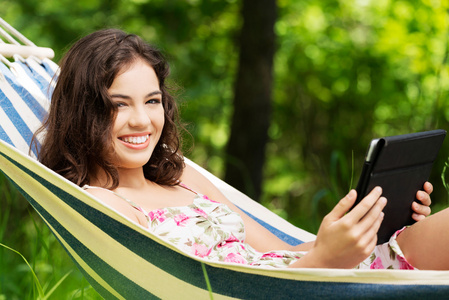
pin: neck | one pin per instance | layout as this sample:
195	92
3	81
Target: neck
131	178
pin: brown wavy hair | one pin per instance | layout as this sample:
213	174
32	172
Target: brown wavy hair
77	140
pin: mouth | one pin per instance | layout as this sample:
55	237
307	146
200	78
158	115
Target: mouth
135	140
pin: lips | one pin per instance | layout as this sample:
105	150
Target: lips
135	141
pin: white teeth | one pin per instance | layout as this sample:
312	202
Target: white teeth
135	139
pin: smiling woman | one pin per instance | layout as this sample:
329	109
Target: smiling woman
112	130
78	142
140	116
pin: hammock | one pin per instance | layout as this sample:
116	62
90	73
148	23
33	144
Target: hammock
122	260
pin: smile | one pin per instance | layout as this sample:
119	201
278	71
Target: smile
135	140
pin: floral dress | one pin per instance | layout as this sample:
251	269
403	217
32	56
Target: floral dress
211	230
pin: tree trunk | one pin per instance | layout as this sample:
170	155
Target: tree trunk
252	98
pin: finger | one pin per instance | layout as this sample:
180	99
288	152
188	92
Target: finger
428	187
344	205
373	215
367	227
421	209
366	204
423	197
418	217
369	237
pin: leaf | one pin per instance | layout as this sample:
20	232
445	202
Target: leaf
48	294
35	279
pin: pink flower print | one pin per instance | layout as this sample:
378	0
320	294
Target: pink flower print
200	212
158	214
232	239
271	254
235	258
228	242
200	250
403	264
224	245
377	264
181	219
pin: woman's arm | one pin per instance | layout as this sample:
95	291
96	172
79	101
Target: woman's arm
344	238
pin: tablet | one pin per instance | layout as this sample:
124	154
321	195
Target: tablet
400	165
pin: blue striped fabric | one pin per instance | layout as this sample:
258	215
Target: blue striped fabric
26	77
291	240
20	112
36	77
122	260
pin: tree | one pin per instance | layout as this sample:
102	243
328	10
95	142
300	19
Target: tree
252	98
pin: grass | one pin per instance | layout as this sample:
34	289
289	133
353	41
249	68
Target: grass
206	277
33	264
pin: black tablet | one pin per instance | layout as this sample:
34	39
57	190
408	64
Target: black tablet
400	165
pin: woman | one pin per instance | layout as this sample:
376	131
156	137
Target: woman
112	129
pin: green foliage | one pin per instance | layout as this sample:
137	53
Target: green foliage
348	71
41	293
345	71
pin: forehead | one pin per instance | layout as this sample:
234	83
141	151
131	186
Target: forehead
136	76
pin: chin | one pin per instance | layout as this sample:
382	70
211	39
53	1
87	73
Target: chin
132	164
134	160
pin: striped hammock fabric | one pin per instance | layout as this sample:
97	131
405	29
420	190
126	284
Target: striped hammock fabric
122	260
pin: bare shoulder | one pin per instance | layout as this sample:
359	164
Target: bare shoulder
190	172
118	204
105	196
197	181
200	183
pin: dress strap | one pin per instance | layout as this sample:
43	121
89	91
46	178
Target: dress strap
187	188
134	205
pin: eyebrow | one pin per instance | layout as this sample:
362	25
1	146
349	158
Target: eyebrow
128	97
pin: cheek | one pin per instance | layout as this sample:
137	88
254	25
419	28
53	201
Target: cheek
118	124
161	118
163	121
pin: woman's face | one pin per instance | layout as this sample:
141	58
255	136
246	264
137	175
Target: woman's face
140	114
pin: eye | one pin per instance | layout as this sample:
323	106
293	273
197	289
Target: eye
120	104
154	101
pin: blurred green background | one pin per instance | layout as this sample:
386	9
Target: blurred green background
345	71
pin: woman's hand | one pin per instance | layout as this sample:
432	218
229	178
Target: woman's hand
422	210
346	238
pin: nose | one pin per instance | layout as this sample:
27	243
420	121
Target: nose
140	117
